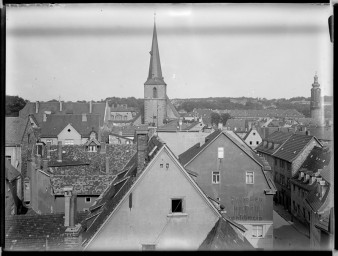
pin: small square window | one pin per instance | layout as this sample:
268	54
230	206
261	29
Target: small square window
176	205
257	142
161	165
254	133
88	200
220	152
215	177
257	231
249	178
250	142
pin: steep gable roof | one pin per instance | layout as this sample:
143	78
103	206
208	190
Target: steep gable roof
15	127
56	123
10	172
275	137
223	237
293	146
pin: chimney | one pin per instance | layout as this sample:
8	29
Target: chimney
68	194
38	162
44	165
107	165
220	125
37	107
84	117
48	149
103	148
90	107
180	124
307	133
44	117
73	234
142	147
60	105
301	175
307	177
313	179
59	151
322	188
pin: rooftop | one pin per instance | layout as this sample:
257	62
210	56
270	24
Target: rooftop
15	127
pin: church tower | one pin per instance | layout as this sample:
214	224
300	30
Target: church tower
315	104
155	89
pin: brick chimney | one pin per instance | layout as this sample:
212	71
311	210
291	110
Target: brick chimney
142	148
60	105
37	107
107	165
73	235
59	151
48	150
90	107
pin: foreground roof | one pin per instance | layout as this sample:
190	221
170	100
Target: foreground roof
34	232
10	172
15	127
223	237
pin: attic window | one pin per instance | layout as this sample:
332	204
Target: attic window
69	130
91	148
176	205
88	200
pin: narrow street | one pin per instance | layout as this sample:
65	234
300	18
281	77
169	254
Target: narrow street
287	237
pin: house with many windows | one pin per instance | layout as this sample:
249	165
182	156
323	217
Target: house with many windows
227	170
180	217
306	181
286	152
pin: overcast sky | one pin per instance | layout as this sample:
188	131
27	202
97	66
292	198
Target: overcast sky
92	51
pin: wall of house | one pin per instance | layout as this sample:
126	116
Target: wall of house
149	220
298	195
266	241
179	142
122	115
82	205
54	140
253	137
72	135
15	153
243	202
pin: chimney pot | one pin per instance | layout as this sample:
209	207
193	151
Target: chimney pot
90	106
60	106
37	107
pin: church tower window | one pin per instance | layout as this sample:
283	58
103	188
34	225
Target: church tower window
154	92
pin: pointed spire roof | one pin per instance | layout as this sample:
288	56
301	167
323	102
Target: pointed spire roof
155	72
315	84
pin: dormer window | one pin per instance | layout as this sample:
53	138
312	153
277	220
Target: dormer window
92	148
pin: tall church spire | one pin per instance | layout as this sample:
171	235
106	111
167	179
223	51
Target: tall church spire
155	72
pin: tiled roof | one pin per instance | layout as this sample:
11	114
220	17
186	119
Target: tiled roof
122	109
15	127
239	124
324	223
82	184
223	237
67	108
119	155
292	147
276	137
264	113
110	198
56	123
317	159
112	122
10	172
189	154
30	232
173	126
317	204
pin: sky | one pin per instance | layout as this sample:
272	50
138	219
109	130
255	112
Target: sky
94	51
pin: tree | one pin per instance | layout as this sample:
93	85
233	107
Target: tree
224	118
215	118
14	104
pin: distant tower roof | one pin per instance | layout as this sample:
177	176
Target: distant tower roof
315	83
155	72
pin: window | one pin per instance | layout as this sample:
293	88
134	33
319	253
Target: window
250	142
39	149
69	142
154	92
215	177
249	178
257	142
92	148
49	141
257	231
254	133
9	158
88	200
176	205
148	247
221	152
